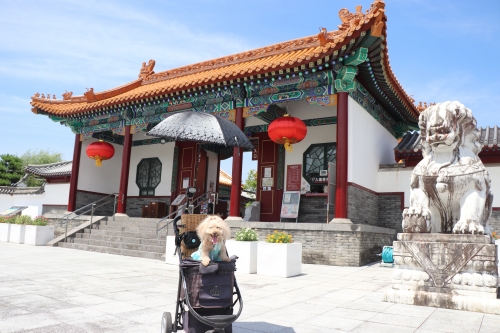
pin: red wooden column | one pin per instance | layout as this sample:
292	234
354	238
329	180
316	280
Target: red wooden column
342	147
127	148
75	169
234	209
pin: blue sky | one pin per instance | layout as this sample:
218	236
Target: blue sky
439	50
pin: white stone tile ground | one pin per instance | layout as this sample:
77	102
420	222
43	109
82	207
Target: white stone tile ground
57	290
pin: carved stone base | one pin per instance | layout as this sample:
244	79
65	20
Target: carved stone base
448	271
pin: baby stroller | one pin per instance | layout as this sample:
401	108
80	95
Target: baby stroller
204	294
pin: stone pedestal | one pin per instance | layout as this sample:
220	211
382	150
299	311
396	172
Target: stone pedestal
447	271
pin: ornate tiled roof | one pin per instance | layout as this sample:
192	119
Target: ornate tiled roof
51	170
489	138
225	179
410	142
275	59
13	190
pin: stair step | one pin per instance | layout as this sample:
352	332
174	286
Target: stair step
132	240
120	245
127	228
102	249
125	233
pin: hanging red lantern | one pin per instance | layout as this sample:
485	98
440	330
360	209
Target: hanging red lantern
287	130
100	151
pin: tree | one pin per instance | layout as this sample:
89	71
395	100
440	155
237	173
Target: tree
251	181
11	169
38	157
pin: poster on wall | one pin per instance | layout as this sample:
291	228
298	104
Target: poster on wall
293	177
290	205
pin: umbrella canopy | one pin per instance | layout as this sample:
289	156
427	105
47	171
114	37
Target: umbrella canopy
201	127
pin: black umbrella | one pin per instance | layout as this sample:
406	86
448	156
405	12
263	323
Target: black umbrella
201	127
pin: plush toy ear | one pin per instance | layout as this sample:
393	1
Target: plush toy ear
202	228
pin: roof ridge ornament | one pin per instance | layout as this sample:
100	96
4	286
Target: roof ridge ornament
147	70
67	95
89	95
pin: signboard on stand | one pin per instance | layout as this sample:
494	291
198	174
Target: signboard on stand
293	177
290	205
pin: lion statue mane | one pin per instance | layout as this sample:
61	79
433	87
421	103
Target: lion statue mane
450	187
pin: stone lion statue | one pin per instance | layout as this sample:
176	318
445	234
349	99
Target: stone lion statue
450	187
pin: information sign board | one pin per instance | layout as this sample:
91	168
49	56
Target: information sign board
290	205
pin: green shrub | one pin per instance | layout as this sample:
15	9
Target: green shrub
279	237
23	219
246	235
40	221
7	219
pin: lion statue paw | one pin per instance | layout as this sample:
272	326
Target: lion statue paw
416	219
468	227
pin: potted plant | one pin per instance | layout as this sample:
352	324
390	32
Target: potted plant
38	232
18	229
244	246
279	255
5	223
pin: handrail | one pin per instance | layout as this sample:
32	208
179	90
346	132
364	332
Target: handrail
93	206
198	200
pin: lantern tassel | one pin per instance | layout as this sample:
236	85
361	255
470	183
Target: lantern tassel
98	162
288	146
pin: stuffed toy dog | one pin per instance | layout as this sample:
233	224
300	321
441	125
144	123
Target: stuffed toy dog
213	232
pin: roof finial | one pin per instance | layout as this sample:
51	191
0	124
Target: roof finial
147	70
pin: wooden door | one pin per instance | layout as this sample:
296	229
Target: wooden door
269	189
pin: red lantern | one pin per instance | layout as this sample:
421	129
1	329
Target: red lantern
100	151
287	130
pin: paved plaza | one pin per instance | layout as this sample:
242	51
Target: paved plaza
45	289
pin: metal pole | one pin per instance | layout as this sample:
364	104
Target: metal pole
91	218
114	209
66	232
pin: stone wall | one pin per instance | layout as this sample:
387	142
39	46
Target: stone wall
54	209
312	209
134	205
372	208
494	221
329	244
84	198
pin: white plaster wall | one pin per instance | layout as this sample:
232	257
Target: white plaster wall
105	179
369	144
56	194
395	180
316	134
212	169
165	153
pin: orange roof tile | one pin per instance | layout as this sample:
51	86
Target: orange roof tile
225	179
259	61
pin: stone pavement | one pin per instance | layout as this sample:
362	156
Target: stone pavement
58	290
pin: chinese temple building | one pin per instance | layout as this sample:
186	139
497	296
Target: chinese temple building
339	83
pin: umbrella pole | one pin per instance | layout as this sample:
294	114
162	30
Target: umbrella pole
197	161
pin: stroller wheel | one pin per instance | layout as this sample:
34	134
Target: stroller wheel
166	323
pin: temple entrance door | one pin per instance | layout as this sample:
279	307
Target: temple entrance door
192	171
269	188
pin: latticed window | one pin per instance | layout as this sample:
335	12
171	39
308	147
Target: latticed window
148	175
316	158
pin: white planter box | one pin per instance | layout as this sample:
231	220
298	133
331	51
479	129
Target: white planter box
17	233
282	260
170	258
38	235
4	232
247	255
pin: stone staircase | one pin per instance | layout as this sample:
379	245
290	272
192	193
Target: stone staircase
128	236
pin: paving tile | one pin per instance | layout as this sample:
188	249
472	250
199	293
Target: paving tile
338	323
341	312
27	322
58	328
410	310
399	320
444	320
370	327
114	307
